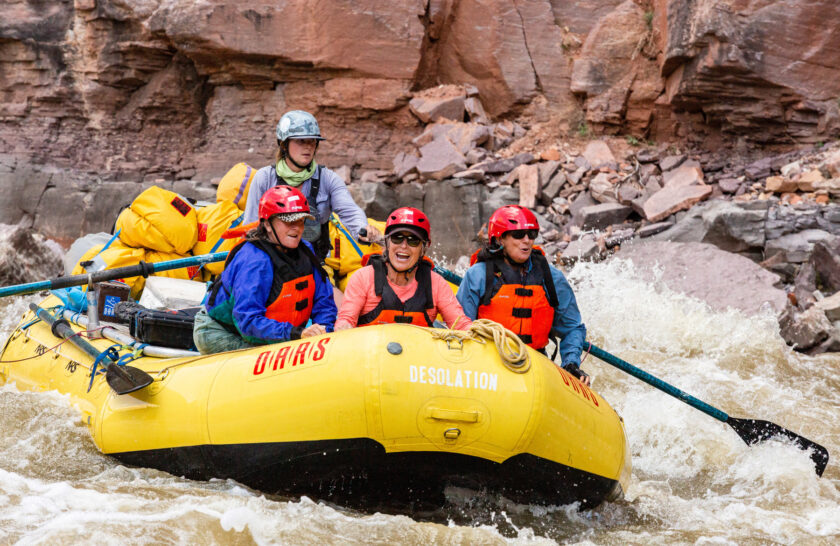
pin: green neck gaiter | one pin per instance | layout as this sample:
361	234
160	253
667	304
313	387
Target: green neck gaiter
293	178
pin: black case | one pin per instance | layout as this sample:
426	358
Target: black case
168	328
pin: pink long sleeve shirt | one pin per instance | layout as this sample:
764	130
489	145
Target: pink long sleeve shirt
360	298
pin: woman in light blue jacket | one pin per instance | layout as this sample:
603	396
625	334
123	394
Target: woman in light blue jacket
298	136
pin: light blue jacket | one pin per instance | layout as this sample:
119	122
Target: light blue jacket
333	196
567	320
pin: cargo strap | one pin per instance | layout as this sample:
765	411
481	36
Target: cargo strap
233	224
110	353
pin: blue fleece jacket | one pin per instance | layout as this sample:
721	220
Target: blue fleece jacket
242	299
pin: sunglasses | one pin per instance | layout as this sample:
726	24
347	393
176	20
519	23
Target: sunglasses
521	233
411	240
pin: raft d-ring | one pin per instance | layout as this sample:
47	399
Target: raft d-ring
460	344
452	433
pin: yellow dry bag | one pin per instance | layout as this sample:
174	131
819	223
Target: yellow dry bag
235	185
159	219
214	220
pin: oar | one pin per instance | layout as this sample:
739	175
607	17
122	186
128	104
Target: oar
143	269
122	379
752	431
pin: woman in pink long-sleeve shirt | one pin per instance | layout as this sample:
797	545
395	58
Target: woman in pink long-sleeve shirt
399	286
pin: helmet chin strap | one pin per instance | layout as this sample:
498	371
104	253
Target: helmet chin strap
408	271
276	238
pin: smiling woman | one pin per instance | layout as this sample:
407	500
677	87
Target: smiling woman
272	284
399	285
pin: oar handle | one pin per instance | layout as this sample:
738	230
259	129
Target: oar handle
142	269
656	382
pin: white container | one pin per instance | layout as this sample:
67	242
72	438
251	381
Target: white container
169	293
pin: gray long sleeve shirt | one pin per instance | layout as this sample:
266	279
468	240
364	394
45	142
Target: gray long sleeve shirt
333	196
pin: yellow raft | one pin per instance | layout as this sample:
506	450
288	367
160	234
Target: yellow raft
374	416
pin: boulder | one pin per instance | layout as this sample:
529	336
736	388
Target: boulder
439	159
830	306
584	248
729	185
603	188
671	162
832	164
667	201
721	279
26	256
804	285
810	180
404	163
598	154
529	185
686	175
825	259
731	226
444	102
779	184
582	201
602	215
805	330
552	189
501	166
797	247
451	213
376	199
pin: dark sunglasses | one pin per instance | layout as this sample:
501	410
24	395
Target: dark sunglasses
521	233
410	240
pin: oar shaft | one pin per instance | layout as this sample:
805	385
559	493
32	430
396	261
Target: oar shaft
656	382
141	269
64	331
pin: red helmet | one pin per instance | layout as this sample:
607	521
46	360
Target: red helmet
509	218
283	200
411	218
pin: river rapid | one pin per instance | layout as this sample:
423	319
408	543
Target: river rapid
694	480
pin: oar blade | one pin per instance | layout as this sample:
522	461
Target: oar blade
755	431
126	379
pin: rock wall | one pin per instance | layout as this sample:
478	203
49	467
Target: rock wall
102	97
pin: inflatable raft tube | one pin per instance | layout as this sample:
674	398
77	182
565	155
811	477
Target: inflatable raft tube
377	417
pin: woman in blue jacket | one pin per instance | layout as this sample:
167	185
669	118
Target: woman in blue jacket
272	285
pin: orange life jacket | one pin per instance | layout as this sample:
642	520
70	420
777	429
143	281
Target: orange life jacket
418	309
292	287
522	303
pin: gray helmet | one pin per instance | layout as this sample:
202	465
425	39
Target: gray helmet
298	124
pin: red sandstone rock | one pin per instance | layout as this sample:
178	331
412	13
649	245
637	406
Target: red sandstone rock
529	185
667	201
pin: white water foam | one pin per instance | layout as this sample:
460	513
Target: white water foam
694	480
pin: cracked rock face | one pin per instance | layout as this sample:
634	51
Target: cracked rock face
148	90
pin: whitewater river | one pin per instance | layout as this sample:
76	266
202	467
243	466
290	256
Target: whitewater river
694	480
